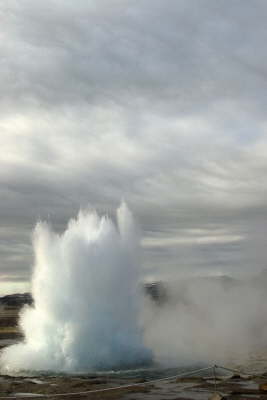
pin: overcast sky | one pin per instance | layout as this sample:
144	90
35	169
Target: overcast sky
160	102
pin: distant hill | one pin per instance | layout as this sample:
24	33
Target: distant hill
160	292
157	291
16	300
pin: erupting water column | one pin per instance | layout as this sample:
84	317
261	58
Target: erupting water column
86	300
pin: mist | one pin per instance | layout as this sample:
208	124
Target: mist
209	320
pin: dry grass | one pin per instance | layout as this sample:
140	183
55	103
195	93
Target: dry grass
9	323
9	329
8	317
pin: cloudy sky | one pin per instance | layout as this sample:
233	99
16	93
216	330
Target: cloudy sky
162	103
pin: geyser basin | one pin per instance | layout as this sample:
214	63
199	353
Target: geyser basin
86	300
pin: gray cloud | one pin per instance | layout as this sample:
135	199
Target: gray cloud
160	103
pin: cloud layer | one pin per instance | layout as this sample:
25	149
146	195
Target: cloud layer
160	103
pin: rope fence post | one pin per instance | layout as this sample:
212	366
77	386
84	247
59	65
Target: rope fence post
214	376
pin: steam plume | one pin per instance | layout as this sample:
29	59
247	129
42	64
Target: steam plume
86	300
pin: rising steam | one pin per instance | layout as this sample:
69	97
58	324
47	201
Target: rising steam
86	300
209	320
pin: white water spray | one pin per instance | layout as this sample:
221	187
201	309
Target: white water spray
86	300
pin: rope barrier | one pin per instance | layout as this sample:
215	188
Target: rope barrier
110	388
184	374
229	369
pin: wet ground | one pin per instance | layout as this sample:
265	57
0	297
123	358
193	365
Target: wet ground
229	386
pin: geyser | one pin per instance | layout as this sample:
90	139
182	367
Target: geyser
86	302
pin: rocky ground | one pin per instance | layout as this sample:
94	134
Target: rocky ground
227	387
